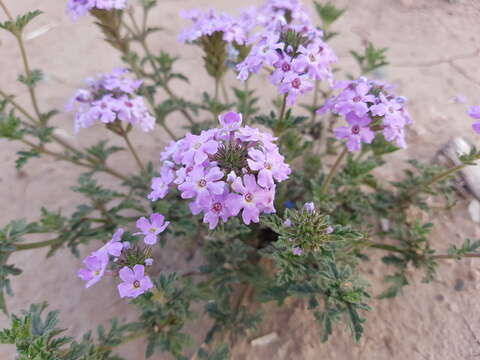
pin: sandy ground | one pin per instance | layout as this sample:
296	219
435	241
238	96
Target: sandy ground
436	321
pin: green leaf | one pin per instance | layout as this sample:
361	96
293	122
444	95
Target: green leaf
16	26
24	156
398	281
32	79
328	13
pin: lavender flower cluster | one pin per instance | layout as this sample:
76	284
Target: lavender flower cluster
134	279
287	44
225	171
208	22
110	97
291	47
368	107
77	8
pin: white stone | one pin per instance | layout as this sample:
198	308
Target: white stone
265	340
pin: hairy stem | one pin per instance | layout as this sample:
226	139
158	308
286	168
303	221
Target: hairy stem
315	101
37	245
440	177
224	91
446	256
283	107
124	134
333	171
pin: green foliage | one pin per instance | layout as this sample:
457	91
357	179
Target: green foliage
17	25
246	103
371	59
32	79
163	314
24	156
38	337
328	14
467	247
314	256
101	151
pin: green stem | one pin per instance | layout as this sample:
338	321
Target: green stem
385	247
224	90
124	134
9	16
440	177
282	109
315	101
36	245
217	85
333	171
446	256
156	72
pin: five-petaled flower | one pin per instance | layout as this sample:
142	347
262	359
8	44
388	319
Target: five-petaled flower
151	228
135	282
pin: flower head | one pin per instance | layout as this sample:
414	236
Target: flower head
369	108
135	282
224	171
78	8
108	98
151	228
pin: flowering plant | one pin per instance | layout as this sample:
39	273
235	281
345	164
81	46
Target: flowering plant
254	194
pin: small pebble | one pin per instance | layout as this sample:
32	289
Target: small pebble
459	285
265	340
474	210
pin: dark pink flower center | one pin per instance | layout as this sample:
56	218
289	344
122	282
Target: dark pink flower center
217	207
355	129
103	105
391	110
136	284
286	67
128	104
311	57
202	183
296	83
357	98
248	197
267	166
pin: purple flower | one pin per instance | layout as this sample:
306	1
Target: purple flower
216	209
269	165
357	132
287	223
474	112
230	121
355	98
199	147
149	262
309	207
329	230
160	184
94	269
294	84
114	246
151	229
202	184
251	198
297	251
135	282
